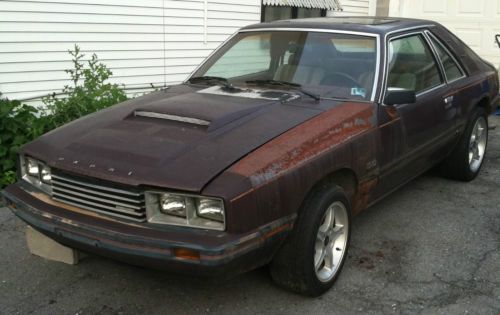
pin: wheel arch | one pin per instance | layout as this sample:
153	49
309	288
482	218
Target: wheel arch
344	177
485	103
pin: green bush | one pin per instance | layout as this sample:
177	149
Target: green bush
21	123
89	93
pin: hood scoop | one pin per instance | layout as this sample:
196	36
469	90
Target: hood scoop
184	119
202	111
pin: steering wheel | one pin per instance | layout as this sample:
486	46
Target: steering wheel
340	79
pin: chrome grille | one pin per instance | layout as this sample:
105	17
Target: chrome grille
100	198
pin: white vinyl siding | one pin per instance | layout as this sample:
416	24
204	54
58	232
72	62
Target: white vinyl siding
155	42
355	7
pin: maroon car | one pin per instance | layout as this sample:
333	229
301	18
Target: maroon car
266	152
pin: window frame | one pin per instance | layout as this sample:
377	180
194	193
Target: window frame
430	37
420	32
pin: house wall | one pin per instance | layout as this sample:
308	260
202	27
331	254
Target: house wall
144	43
475	22
155	42
356	7
382	7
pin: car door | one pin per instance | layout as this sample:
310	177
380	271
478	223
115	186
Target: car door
420	129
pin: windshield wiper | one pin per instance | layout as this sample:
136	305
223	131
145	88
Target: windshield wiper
218	80
290	85
206	78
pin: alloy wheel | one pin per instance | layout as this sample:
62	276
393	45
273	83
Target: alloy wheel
477	144
331	241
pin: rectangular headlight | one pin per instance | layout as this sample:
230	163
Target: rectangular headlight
185	210
36	173
45	174
173	205
31	167
209	209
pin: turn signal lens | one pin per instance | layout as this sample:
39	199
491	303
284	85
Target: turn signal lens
185	253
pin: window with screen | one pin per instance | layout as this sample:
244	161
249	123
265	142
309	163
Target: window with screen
273	13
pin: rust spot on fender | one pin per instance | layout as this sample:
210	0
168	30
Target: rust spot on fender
305	141
363	194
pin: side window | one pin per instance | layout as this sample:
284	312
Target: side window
451	68
412	65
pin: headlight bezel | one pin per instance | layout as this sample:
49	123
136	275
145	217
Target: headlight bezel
192	219
31	177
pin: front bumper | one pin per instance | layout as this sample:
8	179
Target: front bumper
176	249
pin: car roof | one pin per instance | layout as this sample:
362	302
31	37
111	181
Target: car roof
367	24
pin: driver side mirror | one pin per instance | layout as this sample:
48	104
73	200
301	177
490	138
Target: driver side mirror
394	96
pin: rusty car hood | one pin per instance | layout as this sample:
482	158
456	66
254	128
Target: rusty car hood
177	139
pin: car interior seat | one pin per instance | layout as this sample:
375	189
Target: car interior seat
307	72
403	80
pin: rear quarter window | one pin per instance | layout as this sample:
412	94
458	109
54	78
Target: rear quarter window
451	68
465	55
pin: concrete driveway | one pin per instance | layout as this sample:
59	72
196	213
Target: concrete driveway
433	247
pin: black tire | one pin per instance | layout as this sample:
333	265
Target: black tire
456	165
293	265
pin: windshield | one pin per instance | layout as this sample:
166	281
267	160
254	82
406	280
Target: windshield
330	64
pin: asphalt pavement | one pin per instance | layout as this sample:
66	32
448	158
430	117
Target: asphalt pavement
432	247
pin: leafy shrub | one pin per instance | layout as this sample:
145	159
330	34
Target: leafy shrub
89	93
21	123
18	124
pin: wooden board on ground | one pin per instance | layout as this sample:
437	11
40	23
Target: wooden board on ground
44	246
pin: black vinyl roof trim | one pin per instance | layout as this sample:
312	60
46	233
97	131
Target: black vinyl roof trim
368	24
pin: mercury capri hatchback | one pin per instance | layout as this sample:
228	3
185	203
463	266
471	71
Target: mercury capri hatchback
266	152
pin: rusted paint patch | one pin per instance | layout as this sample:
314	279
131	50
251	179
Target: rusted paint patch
391	112
363	194
303	142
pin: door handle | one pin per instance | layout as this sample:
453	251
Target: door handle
448	102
